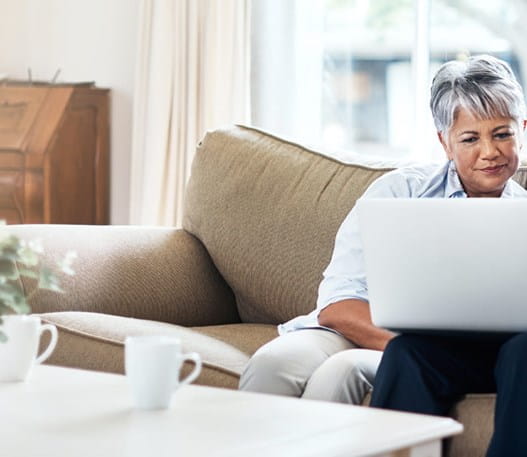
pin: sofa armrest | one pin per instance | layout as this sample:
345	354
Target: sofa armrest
154	273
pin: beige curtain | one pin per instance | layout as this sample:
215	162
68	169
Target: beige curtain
192	75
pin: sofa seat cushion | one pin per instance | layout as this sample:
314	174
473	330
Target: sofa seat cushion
476	413
95	341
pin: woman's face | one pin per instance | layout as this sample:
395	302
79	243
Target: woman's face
485	152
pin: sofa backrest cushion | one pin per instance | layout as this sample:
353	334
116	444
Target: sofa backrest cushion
267	210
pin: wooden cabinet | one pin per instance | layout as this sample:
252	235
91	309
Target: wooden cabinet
54	154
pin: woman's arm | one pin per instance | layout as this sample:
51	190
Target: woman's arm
352	319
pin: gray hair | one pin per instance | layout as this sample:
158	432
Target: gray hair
484	85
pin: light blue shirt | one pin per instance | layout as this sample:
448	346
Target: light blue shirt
345	276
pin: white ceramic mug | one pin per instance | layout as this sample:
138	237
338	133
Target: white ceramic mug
153	365
19	353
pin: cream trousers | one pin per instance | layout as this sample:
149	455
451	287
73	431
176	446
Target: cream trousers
312	363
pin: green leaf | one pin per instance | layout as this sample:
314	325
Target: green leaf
28	273
28	255
21	308
13	298
9	247
36	246
48	280
11	294
65	263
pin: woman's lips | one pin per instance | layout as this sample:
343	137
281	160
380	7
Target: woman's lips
493	170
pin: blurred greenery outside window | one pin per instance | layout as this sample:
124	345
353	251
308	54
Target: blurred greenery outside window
352	77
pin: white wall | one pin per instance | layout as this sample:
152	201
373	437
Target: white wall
89	40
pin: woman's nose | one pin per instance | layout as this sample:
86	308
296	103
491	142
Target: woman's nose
488	149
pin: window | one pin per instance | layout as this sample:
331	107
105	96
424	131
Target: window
352	77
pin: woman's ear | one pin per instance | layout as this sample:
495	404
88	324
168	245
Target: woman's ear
444	144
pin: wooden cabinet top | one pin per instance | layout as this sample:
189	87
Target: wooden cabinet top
29	114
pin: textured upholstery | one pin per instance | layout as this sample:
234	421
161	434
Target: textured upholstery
151	273
260	220
476	413
268	211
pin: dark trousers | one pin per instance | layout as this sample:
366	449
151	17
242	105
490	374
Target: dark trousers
428	374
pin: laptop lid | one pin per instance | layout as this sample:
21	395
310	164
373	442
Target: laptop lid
446	264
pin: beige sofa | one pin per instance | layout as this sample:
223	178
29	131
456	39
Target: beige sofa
260	220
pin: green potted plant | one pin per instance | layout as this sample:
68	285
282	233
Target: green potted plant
20	258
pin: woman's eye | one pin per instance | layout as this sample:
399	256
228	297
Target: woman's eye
469	140
503	135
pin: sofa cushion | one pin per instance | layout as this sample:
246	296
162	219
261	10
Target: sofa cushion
95	341
476	413
268	210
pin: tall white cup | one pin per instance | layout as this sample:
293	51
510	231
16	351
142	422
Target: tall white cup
19	353
152	365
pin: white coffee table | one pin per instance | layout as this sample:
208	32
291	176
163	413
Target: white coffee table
64	412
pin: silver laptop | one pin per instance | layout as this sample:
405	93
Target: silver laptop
446	264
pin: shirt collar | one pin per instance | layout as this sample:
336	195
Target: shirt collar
508	192
453	188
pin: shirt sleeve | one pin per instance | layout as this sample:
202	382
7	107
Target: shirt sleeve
345	276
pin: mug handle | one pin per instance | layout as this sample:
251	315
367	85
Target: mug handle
53	342
193	357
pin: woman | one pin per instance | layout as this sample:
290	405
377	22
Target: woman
479	114
478	109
